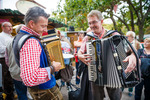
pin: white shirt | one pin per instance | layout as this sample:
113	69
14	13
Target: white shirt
64	44
4	40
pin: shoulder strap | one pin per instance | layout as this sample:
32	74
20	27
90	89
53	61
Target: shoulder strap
109	33
91	34
18	42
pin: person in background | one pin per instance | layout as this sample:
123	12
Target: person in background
77	45
14	69
5	37
132	39
63	38
144	55
89	90
66	49
18	28
36	73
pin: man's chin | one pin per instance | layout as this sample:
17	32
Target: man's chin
94	31
40	34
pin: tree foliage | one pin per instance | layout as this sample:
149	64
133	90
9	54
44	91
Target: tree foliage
130	13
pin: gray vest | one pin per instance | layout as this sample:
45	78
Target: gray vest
13	67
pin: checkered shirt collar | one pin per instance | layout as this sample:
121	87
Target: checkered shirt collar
24	28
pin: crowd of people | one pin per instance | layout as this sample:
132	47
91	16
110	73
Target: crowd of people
28	68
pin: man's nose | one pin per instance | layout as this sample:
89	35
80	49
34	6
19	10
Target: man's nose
11	28
45	29
91	25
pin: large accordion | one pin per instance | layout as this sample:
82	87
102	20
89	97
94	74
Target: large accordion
107	67
53	46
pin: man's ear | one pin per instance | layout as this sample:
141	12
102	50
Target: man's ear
102	21
31	24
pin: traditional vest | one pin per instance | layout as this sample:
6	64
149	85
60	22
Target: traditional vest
43	62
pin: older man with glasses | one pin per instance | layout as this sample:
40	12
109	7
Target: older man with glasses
5	37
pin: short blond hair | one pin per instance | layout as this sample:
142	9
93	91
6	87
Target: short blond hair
131	33
96	13
147	39
18	28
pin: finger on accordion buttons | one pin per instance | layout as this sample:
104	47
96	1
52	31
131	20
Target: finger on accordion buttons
88	60
87	55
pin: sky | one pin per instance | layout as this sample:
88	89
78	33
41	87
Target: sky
50	5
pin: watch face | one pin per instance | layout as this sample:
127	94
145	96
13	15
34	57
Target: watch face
24	5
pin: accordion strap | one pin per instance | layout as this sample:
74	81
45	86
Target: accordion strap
91	34
109	33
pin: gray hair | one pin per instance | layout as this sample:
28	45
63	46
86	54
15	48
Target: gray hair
5	23
131	33
96	13
18	28
34	13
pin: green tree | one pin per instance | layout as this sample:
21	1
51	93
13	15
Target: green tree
130	13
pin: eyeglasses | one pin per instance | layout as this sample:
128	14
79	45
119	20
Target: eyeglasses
127	36
93	22
7	26
147	42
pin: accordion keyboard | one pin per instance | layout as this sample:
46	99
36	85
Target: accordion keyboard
92	65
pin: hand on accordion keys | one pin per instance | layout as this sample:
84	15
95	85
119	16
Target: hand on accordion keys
55	66
132	63
85	58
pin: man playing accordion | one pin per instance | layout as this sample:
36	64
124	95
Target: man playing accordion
89	90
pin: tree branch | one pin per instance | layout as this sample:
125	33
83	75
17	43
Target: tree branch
123	22
145	3
141	9
132	19
129	2
146	15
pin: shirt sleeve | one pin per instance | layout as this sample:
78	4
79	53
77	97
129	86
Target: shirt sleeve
6	57
31	72
2	48
83	45
77	44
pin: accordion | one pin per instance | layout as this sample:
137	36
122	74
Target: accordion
53	46
107	67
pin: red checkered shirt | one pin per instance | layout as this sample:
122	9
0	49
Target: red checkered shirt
31	73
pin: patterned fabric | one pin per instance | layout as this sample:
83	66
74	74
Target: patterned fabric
31	73
28	30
